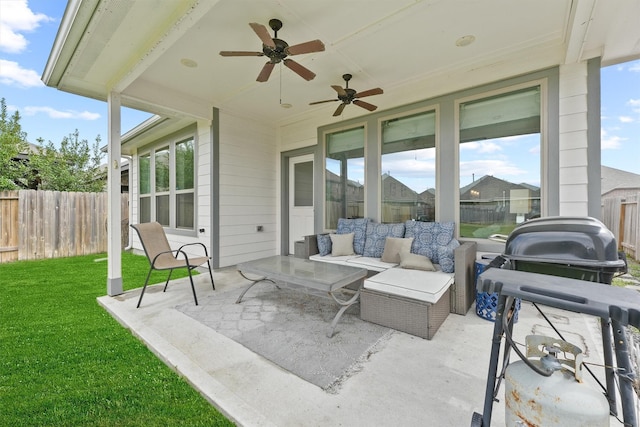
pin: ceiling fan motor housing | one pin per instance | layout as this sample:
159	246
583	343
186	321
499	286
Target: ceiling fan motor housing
278	53
350	94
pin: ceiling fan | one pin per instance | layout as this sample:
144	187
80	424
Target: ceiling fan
277	51
348	96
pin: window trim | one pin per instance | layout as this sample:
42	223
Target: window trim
435	107
362	124
170	141
544	145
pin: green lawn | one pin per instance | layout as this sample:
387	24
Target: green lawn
484	231
65	362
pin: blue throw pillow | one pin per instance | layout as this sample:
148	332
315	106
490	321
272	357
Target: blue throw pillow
445	256
377	235
357	226
428	237
324	244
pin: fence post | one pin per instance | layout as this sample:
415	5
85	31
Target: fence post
623	211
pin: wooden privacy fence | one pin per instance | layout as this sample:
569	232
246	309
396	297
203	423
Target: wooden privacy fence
622	217
54	224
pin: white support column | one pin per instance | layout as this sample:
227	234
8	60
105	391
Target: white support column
114	263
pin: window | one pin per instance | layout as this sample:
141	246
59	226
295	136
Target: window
184	184
344	176
483	157
144	214
408	164
500	172
162	186
171	168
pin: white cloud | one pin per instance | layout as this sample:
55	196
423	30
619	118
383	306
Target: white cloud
481	146
16	18
11	73
635	66
626	119
57	114
634	102
608	142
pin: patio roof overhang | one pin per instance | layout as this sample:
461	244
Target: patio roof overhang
163	56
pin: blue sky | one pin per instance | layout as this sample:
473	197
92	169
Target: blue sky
28	29
27	32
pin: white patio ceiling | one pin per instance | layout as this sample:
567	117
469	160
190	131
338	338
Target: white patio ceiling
140	48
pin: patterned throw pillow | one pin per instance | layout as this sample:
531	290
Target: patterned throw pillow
377	235
428	236
324	244
357	226
445	256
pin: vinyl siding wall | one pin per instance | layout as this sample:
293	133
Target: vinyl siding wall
573	176
248	190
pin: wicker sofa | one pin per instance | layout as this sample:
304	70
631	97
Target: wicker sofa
412	300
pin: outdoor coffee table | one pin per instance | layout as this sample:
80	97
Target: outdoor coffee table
320	276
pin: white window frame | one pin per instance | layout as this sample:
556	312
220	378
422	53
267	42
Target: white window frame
150	150
544	146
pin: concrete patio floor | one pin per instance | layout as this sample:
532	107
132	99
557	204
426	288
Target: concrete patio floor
410	382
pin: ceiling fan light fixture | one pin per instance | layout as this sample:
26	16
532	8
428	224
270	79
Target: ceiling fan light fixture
465	40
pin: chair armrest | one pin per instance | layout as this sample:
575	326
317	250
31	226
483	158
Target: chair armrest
463	293
311	245
192	244
174	253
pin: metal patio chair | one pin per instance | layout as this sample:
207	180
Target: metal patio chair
162	257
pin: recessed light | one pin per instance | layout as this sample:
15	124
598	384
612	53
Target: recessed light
188	62
465	40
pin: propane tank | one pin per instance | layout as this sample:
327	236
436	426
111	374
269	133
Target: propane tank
558	400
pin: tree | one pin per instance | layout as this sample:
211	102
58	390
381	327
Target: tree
73	167
14	173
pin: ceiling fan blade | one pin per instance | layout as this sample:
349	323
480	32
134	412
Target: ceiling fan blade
303	72
339	109
261	31
340	90
307	47
322	102
239	53
376	91
365	105
266	72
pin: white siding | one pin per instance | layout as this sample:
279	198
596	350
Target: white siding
573	140
248	190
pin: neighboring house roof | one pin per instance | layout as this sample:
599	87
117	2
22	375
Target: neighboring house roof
31	148
614	179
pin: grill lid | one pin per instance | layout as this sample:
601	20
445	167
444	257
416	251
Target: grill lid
582	241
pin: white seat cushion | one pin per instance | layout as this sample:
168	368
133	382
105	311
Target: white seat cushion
334	259
373	264
427	286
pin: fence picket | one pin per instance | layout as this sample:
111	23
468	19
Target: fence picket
622	217
8	232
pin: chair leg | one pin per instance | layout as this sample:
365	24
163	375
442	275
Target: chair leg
167	282
193	288
144	287
211	275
